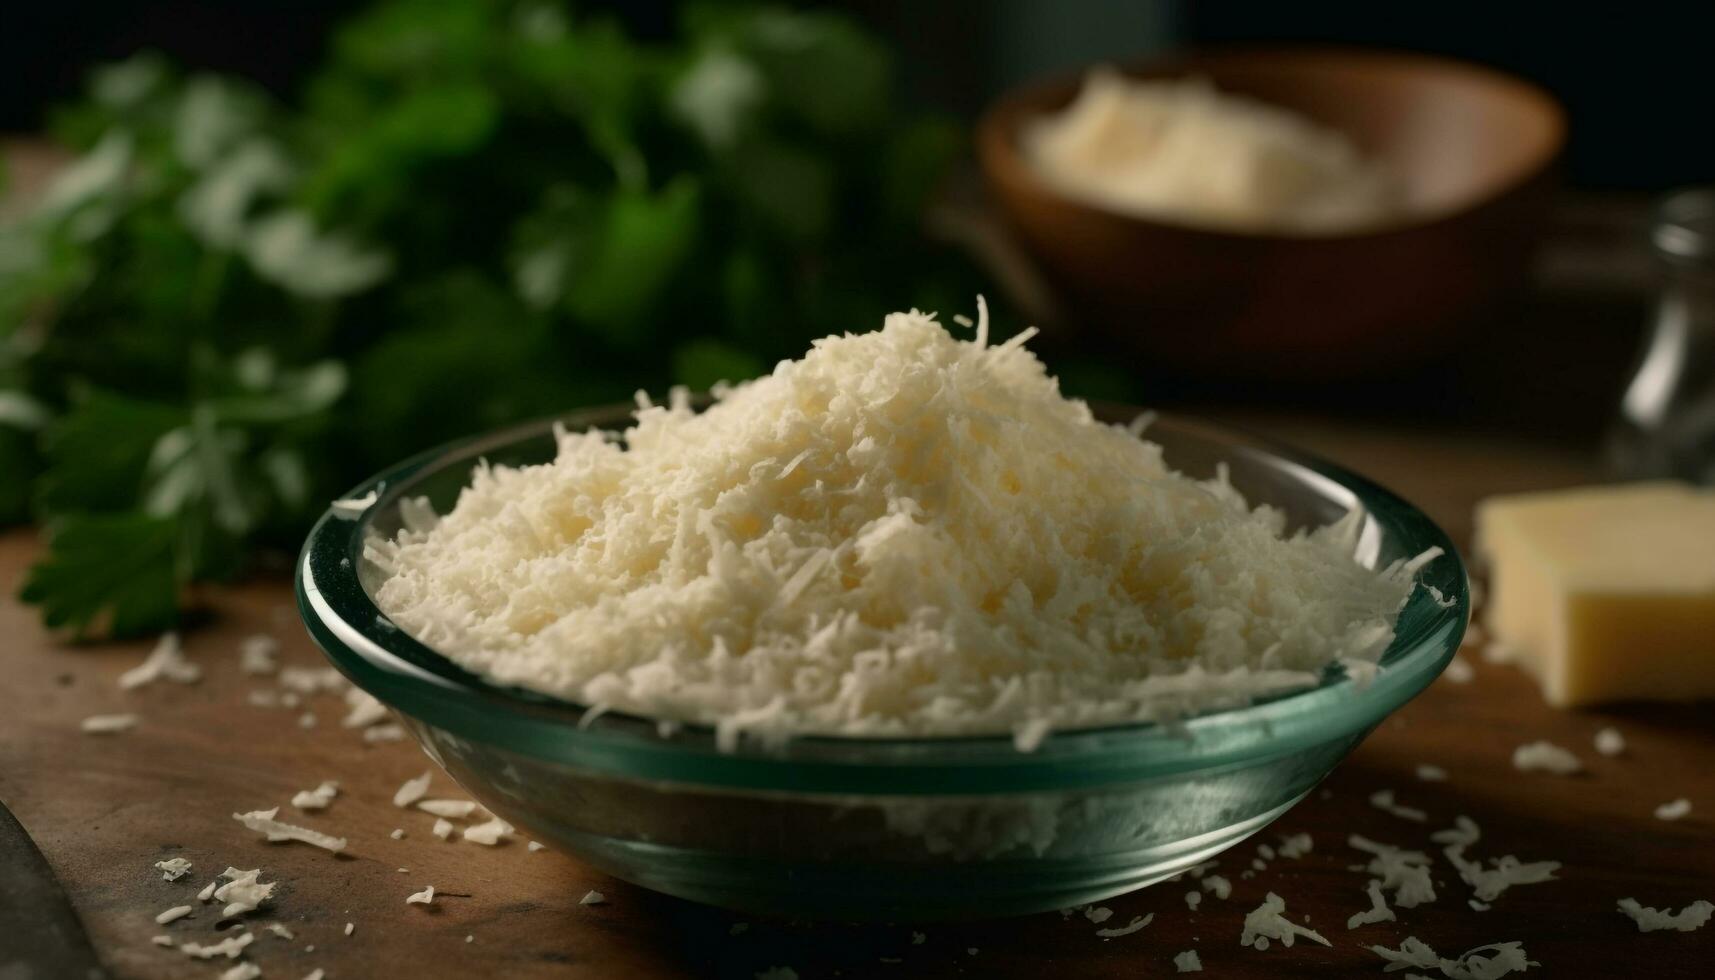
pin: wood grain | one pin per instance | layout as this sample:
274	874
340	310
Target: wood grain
104	809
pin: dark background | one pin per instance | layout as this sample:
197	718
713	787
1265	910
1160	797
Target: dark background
1638	78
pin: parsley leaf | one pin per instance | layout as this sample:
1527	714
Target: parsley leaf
117	568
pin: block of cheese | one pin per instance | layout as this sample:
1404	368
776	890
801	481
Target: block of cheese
1605	593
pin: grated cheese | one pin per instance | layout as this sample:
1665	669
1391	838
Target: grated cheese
173	914
1378	910
256	654
1545	757
490	833
454	809
1383	800
535	846
1187	962
165	662
443	829
243	891
384	733
307	720
398	833
229	947
1431	774
365	710
108	724
1405	872
593	898
351	508
1193	899
1218	886
243	971
1137	922
1610	742
350	927
263	822
412	790
161	940
424	897
1675	810
307	680
1296	846
1459	670
1688	919
317	974
172	869
280	930
318	798
1098	915
207	894
1488	883
957	549
1483	963
1266	922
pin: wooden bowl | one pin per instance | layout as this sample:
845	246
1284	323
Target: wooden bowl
1471	147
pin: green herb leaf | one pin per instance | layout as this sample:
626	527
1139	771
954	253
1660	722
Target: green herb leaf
121	568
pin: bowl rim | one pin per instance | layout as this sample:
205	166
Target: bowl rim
430	689
1002	160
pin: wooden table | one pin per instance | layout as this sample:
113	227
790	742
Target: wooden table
104	809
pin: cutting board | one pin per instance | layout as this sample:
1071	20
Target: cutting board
104	809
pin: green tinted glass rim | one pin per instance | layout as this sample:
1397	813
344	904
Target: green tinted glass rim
403	673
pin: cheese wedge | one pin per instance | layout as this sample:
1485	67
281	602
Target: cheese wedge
1605	593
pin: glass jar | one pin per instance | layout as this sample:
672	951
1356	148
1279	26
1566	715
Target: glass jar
1666	426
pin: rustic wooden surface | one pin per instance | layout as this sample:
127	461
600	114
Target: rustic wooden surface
104	809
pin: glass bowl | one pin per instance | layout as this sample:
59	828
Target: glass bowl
884	828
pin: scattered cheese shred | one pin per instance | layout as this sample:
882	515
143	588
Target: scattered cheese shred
389	732
280	930
1674	810
308	680
108	724
165	662
1378	910
537	846
1137	922
256	654
1187	962
243	892
1218	886
1296	846
1483	963
412	790
443	828
351	508
1383	800
1460	671
1405	872
243	971
1266	922
173	914
1431	774
318	798
1193	899
1610	742
1098	915
1545	757
350	927
957	549
316	974
398	833
593	898
1688	919
161	940
229	947
424	897
453	809
207	894
490	833
263	822
364	709
1488	883
172	869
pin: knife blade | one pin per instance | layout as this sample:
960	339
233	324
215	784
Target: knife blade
41	937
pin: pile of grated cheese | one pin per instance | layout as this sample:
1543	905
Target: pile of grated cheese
900	534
